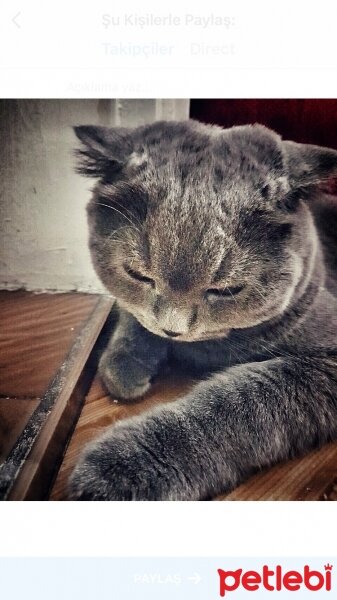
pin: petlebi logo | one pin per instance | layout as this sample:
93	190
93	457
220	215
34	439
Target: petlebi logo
275	579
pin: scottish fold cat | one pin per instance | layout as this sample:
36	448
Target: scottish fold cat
221	252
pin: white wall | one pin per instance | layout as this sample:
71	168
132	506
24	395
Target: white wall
43	229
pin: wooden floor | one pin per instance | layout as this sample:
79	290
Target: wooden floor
37	332
45	341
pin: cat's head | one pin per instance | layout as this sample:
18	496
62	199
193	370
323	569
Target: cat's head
197	230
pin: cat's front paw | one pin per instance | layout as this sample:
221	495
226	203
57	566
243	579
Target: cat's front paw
124	376
125	464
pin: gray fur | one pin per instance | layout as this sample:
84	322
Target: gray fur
181	208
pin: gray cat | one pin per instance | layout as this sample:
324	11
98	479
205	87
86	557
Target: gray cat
213	242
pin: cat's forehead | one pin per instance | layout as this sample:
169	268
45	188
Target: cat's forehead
205	191
205	165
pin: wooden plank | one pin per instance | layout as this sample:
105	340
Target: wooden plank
30	466
14	415
36	332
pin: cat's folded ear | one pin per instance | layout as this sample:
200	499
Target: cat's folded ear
104	150
309	165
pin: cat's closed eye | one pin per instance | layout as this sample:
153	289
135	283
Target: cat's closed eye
227	292
138	276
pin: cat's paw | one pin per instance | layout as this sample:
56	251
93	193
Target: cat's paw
125	465
124	376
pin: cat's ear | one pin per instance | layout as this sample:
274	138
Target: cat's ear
104	150
309	165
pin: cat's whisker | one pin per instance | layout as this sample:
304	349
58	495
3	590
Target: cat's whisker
128	212
119	212
231	349
258	291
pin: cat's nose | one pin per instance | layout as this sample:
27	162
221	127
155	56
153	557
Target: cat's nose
171	333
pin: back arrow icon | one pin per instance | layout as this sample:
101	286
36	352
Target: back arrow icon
14	20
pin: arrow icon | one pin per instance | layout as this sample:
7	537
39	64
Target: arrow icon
195	578
15	20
